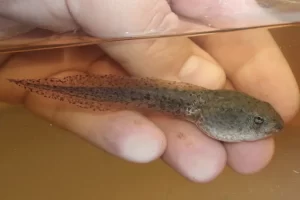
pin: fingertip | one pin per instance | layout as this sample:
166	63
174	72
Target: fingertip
142	147
125	134
192	154
199	71
250	157
202	168
201	163
130	136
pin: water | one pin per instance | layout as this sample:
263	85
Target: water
39	161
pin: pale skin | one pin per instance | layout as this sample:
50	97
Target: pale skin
239	60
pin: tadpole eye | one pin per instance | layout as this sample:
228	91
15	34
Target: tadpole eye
258	120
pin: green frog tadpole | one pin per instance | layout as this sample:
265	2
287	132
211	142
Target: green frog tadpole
225	115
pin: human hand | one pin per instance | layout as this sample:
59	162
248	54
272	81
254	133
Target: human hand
247	61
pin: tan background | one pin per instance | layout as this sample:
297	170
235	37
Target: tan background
41	162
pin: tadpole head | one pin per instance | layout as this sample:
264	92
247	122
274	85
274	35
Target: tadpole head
232	116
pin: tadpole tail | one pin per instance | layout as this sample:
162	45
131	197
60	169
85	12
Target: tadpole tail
112	92
87	94
110	80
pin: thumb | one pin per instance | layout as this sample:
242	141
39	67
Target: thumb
168	58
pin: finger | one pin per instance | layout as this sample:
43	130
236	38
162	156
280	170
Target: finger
248	158
173	59
227	14
164	58
181	59
194	155
113	18
128	135
125	134
261	71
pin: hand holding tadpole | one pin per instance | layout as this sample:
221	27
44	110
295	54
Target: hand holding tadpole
248	61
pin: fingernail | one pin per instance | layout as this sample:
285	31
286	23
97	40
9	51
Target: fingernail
199	71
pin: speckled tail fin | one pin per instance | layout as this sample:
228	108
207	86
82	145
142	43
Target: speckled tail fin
110	80
76	90
33	86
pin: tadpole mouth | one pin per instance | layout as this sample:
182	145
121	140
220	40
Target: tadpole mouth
278	126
